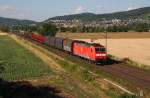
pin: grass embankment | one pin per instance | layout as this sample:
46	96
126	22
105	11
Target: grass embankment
17	63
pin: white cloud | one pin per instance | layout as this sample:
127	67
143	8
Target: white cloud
7	8
132	8
13	12
79	9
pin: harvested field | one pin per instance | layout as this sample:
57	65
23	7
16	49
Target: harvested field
121	35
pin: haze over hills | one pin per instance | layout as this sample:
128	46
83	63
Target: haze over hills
143	13
10	22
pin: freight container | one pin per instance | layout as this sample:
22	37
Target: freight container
59	43
47	41
67	45
27	35
51	41
38	37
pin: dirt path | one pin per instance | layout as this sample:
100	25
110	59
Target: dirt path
2	34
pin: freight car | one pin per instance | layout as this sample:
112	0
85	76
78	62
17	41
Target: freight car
90	51
38	37
68	45
59	43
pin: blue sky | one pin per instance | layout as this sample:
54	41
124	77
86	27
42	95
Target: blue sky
39	10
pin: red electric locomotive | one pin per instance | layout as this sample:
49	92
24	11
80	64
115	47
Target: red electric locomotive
93	52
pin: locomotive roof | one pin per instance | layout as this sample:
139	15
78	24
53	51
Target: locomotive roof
97	45
89	44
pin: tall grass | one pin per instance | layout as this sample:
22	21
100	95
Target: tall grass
17	63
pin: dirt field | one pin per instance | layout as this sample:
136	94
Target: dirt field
135	46
121	35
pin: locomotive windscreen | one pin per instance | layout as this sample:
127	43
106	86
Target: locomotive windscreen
100	49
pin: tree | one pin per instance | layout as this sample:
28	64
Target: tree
63	29
48	29
73	29
141	27
4	28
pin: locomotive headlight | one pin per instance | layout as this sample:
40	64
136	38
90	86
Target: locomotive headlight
103	54
97	54
100	54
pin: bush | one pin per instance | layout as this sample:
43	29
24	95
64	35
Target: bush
141	27
4	28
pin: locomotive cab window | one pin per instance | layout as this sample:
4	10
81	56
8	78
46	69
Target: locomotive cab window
100	50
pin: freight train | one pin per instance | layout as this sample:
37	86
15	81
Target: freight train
90	51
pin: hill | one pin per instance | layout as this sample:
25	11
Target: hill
10	22
82	16
132	14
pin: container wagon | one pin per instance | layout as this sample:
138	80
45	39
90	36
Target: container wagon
38	37
68	45
59	43
51	41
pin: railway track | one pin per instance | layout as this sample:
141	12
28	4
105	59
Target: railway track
135	76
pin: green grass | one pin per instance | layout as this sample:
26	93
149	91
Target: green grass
17	63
